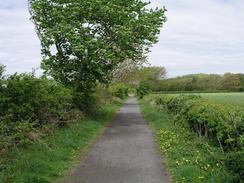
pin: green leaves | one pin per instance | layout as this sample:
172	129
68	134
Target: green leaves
83	41
222	124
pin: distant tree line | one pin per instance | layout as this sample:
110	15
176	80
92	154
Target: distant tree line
201	82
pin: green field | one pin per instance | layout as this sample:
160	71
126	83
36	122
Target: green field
234	98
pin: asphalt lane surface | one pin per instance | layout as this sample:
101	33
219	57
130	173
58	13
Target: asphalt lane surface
125	153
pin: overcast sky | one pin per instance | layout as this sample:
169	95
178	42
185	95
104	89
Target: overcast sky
199	37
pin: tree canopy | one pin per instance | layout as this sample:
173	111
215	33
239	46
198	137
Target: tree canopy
134	74
2	69
83	41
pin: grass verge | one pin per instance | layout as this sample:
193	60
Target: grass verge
190	159
51	157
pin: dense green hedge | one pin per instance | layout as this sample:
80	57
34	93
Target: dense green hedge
32	107
221	123
27	104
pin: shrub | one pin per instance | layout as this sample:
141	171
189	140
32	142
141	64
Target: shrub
235	163
104	93
119	90
34	99
143	89
87	102
28	103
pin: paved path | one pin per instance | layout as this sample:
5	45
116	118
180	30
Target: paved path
124	154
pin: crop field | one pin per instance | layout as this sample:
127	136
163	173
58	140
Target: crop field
232	98
237	98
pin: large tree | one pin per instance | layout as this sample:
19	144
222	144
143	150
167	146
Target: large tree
136	73
126	71
84	40
2	69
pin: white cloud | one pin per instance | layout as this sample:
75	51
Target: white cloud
199	36
19	45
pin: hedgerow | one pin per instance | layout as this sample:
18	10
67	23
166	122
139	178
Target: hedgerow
223	124
28	104
32	107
